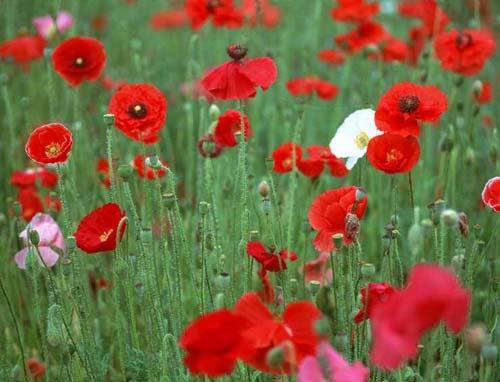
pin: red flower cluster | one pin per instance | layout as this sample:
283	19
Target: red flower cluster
377	294
289	155
269	260
354	11
144	171
79	59
306	86
222	13
97	231
365	33
328	212
23	49
238	79
393	153
215	341
33	176
433	294
49	144
465	52
140	111
228	124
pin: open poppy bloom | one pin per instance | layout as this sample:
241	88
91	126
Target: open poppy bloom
306	86
293	332
377	293
331	56
260	12
491	193
392	153
270	261
464	52
228	124
238	79
352	137
433	294
327	215
79	59
31	176
221	12
354	11
403	106
140	165
23	49
286	157
97	232
366	33
319	156
328	365
140	111
395	50
49	144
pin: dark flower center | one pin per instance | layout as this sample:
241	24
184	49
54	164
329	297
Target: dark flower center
236	52
212	4
137	110
463	40
409	103
79	62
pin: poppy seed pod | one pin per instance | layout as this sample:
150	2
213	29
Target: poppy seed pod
124	171
368	271
325	301
109	119
275	357
314	286
338	240
214	112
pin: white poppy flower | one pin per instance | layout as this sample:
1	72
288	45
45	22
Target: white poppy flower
352	137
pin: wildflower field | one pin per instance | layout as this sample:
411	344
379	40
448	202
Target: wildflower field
249	190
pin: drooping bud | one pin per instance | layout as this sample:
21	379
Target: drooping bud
322	328
214	112
223	280
237	51
325	301
34	237
477	87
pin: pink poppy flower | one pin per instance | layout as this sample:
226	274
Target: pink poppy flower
46	26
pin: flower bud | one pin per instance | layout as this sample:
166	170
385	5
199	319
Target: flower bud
263	189
254	235
153	161
477	87
34	237
3	220
341	342
169	200
450	218
293	287
325	301
147	236
124	171
275	357
109	119
360	194
55	335
416	238
368	271
322	328
70	244
476	336
314	286
446	143
470	156
223	280
214	112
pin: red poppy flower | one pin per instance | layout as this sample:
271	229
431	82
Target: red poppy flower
433	18
319	156
286	156
392	153
238	79
354	11
378	293
464	52
52	203
317	270
228	124
22	50
433	294
222	13
97	230
328	212
395	50
366	33
30	177
140	111
212	343
30	202
145	171
79	59
270	261
331	56
49	144
484	94
260	12
406	103
171	18
266	294
294	332
102	168
491	194
305	86
35	367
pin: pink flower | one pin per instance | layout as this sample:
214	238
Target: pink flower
328	365
317	269
51	241
47	27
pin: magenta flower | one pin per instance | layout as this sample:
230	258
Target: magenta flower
51	242
328	365
47	27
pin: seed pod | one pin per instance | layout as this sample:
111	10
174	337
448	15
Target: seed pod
351	226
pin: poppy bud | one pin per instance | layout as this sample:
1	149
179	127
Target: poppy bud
219	301
325	301
360	194
450	218
351	226
314	287
463	224
489	352
154	162
394	220
34	237
306	226
223	280
386	242
368	271
109	119
203	208
322	328
477	87
293	287
476	336
17	208
169	200
446	143
124	171
263	189
275	357
236	51
207	147
214	112
338	239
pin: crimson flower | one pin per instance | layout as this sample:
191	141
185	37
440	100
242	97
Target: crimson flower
238	79
140	111
30	202
354	11
286	157
294	332
144	171
97	231
366	33
79	59
484	94
30	177
393	153
319	156
265	13
49	144
433	18
405	104
170	18
266	294
328	212
491	194
221	12
464	52
305	86
36	368
270	261
433	294
395	50
228	124
331	56
23	49
378	293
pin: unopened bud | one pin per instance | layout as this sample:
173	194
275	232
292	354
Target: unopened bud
360	194
34	237
416	238
470	156
446	143
153	161
214	112
322	328
124	171
263	189
477	87
70	244
325	301
223	280
341	342
450	218
293	287
275	357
